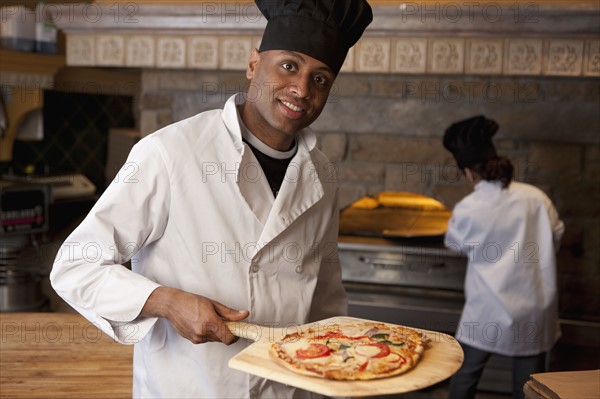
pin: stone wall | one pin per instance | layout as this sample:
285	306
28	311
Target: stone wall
384	132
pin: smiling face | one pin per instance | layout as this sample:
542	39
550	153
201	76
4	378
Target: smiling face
287	92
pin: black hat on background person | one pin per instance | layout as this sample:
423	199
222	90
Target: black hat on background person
322	29
470	141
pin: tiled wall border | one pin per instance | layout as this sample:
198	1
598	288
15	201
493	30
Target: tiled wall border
372	54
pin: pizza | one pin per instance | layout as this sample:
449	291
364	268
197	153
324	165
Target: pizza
350	351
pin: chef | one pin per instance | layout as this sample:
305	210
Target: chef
510	232
231	214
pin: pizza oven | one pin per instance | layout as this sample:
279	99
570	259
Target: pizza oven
403	282
396	269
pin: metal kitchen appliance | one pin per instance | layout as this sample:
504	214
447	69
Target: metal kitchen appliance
403	282
26	201
23	213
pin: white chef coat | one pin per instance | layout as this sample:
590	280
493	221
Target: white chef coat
510	237
193	208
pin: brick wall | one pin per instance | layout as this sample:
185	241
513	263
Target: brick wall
384	133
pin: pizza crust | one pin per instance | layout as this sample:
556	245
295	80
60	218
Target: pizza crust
357	351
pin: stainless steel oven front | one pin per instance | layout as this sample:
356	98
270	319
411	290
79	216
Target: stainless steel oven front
421	286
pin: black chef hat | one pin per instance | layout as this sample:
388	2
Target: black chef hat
470	140
324	30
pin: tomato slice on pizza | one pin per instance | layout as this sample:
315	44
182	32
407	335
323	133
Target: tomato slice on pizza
314	350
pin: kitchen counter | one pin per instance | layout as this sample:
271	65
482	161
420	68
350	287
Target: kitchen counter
61	355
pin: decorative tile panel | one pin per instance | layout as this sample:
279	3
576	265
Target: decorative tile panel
235	52
523	57
447	56
564	58
484	56
170	52
592	58
110	50
372	55
203	52
139	51
409	55
81	50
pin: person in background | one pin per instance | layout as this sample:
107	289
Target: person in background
229	209
510	232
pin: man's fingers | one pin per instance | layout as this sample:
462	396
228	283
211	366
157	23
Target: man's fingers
230	314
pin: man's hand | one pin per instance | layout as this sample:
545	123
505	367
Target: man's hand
195	317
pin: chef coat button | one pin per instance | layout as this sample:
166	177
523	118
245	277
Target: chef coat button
255	268
299	269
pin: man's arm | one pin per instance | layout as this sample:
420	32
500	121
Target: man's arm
132	214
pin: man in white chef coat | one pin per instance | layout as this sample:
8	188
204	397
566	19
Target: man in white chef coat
231	214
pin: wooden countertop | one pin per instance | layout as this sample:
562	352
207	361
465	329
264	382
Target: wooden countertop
60	355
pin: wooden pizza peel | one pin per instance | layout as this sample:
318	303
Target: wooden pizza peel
441	359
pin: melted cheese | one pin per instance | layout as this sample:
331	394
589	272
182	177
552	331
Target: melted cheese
368	350
290	348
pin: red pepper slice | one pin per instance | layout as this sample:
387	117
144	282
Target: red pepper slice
363	366
385	350
313	351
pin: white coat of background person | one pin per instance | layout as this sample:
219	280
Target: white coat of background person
510	233
228	209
